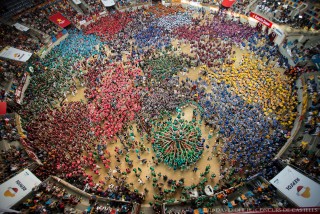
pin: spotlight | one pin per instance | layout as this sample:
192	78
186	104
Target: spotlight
300	17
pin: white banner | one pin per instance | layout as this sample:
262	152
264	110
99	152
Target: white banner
76	1
15	54
300	189
16	188
108	3
21	27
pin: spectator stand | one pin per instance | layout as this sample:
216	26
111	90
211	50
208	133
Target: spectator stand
16	153
19	37
57	195
255	193
302	99
210	2
13	157
295	13
37	18
199	199
128	4
304	150
300	47
93	6
14	86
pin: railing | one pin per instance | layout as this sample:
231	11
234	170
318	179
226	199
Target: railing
298	122
85	194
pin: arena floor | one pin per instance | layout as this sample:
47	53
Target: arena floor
209	156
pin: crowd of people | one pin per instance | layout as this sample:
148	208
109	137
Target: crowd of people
312	124
177	142
8	129
17	39
108	26
12	161
278	99
37	18
132	74
49	197
214	27
127	3
114	99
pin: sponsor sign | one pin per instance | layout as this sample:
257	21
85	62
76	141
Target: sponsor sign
15	54
16	188
108	3
60	20
299	188
76	1
261	19
21	27
228	3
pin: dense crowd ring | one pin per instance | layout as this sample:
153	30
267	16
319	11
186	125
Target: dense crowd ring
133	75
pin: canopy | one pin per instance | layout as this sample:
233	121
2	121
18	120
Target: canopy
108	3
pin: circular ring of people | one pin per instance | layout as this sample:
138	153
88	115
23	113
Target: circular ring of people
150	104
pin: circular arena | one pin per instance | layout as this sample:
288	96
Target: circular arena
159	107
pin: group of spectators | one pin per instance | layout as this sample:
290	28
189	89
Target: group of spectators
139	63
130	3
12	161
37	18
49	197
312	125
17	39
8	128
281	13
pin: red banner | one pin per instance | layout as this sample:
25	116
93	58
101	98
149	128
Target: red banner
228	3
60	20
3	108
261	19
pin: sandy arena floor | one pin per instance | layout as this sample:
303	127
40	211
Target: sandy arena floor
189	176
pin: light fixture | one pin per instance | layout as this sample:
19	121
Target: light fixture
300	16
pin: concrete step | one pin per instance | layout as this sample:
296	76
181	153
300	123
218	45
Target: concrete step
146	209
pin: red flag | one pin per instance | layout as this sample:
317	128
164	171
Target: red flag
60	20
228	3
3	108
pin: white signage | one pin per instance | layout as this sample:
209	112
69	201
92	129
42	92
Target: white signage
15	54
300	189
21	27
76	1
16	188
108	3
